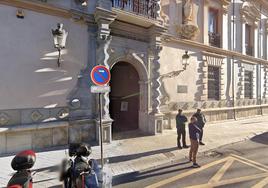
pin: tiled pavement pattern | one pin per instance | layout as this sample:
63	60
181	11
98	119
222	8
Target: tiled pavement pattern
141	152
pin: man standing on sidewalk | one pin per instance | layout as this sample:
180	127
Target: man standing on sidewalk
201	121
180	125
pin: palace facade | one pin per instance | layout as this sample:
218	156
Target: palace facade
163	55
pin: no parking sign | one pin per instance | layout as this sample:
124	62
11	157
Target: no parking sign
100	75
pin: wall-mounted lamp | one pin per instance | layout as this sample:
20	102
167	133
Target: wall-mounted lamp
185	60
59	36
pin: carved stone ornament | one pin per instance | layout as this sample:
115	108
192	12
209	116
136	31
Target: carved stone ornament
36	116
188	11
187	31
249	13
4	119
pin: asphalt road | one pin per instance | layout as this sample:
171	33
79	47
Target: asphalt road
238	165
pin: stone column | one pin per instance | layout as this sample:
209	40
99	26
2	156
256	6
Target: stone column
205	23
155	116
144	105
156	81
243	38
266	40
256	42
225	29
103	19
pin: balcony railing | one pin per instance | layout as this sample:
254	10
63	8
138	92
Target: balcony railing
147	8
249	50
215	39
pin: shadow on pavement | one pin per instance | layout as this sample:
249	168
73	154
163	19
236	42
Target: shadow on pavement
129	134
136	176
262	138
138	155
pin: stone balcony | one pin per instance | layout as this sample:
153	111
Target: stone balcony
215	39
138	12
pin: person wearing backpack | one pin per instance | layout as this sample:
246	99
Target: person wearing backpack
194	134
201	121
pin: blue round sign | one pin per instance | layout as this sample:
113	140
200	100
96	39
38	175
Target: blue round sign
100	75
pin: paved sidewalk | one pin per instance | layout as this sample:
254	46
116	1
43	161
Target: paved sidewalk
141	152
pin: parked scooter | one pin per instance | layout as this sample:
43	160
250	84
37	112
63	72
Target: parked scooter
78	170
22	163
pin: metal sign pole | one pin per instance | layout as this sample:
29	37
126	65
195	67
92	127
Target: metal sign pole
101	131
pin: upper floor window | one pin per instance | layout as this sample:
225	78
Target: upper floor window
213	83
248	40
213	27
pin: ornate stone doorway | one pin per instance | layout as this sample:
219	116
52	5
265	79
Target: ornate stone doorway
124	97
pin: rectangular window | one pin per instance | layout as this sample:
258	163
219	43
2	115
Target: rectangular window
213	83
248	40
213	21
213	33
248	85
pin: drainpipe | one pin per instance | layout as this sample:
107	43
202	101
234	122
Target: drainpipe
233	72
260	47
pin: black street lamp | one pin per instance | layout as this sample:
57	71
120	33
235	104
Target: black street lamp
185	60
59	36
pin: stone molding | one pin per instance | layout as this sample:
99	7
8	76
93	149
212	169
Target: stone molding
240	84
265	85
249	14
218	51
33	115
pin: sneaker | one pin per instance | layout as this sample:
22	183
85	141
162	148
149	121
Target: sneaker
179	147
201	143
195	165
186	146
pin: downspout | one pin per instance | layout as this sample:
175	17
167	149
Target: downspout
233	72
260	46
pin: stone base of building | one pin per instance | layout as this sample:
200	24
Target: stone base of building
220	114
14	138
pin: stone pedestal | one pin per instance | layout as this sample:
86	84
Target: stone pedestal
106	130
155	124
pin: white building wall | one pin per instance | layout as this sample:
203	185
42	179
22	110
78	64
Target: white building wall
29	76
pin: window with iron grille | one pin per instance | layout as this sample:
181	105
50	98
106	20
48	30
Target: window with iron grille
248	85
213	83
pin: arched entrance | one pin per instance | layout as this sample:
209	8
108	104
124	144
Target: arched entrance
124	97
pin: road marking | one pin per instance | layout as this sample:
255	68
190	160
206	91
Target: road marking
221	172
216	179
180	176
231	181
261	184
252	163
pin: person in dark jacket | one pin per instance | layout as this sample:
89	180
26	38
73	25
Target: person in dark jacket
180	125
201	121
194	133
